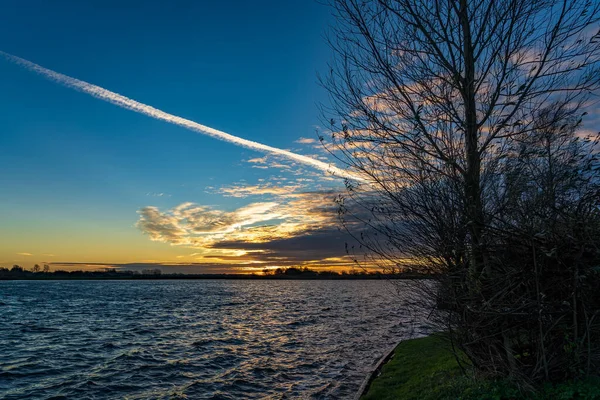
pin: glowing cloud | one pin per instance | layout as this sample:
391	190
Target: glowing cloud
127	103
201	227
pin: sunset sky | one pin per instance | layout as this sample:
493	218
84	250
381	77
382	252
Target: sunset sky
85	183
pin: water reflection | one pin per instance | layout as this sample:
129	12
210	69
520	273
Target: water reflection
194	339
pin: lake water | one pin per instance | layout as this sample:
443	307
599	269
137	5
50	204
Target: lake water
207	339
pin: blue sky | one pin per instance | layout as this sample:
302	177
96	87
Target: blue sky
77	173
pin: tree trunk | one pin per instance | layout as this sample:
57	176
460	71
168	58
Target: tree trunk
474	209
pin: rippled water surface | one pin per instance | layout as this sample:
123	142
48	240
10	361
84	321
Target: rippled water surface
213	339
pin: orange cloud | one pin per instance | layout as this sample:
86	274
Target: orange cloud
303	222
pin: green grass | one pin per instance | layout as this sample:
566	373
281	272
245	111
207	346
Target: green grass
426	369
420	369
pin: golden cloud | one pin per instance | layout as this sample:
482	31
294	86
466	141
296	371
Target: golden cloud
198	226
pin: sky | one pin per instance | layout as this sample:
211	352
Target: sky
86	184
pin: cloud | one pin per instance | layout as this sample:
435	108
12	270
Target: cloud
152	194
130	104
257	190
272	162
160	226
293	227
25	254
196	225
303	140
258	160
319	245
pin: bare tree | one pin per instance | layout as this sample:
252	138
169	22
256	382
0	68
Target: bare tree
430	99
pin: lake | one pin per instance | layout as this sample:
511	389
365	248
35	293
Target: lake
204	339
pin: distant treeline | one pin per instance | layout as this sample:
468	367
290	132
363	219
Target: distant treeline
44	273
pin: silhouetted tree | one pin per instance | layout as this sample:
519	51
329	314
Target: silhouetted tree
458	113
16	268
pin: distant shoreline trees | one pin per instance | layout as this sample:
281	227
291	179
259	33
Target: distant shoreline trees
290	273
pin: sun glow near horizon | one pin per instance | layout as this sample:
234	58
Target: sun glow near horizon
86	184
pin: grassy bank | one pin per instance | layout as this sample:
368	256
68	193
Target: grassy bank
426	369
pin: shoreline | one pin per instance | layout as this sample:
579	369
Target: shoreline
426	368
125	277
376	371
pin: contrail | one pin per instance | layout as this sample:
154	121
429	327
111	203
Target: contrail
130	104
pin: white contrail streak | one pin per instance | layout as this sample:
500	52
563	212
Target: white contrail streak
125	102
